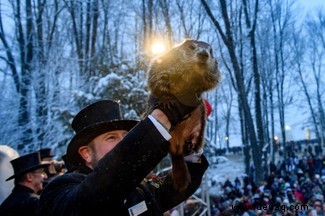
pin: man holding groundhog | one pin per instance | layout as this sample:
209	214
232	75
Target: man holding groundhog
114	158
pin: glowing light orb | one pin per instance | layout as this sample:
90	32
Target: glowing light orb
158	48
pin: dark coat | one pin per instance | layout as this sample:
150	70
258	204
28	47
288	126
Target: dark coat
117	184
21	201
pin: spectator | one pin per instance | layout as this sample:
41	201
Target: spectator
319	208
29	175
54	169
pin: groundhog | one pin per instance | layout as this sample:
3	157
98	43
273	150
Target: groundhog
184	72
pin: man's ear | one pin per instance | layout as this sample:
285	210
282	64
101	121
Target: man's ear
85	153
29	176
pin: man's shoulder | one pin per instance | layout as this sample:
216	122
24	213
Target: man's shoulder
63	182
60	193
68	178
62	185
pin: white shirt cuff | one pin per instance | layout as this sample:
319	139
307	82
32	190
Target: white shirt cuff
160	128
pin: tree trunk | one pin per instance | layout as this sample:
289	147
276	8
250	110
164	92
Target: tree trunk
229	42
165	10
26	56
279	75
40	89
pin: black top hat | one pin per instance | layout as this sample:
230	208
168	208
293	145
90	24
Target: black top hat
45	153
26	163
92	121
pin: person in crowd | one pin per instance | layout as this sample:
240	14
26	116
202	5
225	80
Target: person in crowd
318	205
227	183
237	183
68	167
54	169
46	154
29	175
114	158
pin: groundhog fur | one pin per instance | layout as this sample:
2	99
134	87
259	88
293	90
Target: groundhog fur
187	69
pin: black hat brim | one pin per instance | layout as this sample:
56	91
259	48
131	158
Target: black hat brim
21	172
86	135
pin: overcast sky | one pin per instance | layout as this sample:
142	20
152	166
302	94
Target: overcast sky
312	4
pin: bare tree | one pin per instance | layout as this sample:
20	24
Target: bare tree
316	36
229	40
22	76
84	16
228	101
44	39
281	20
165	11
299	49
251	26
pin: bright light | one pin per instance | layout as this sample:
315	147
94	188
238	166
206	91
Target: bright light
276	138
287	127
158	48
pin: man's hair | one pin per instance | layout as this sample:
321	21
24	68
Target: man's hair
20	178
92	146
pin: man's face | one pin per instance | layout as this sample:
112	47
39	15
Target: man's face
38	177
104	143
318	206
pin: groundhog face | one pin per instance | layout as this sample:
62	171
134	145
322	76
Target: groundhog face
195	51
188	67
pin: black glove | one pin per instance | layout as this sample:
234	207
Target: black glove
188	147
175	110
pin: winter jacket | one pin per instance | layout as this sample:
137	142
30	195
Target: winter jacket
120	185
21	201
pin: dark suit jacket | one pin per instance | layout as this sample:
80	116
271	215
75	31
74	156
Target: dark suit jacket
117	185
21	201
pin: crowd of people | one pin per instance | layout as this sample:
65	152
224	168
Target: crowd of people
295	186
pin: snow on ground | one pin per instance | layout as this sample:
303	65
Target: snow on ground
223	167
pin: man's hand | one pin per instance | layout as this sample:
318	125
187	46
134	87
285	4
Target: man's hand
175	110
161	117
